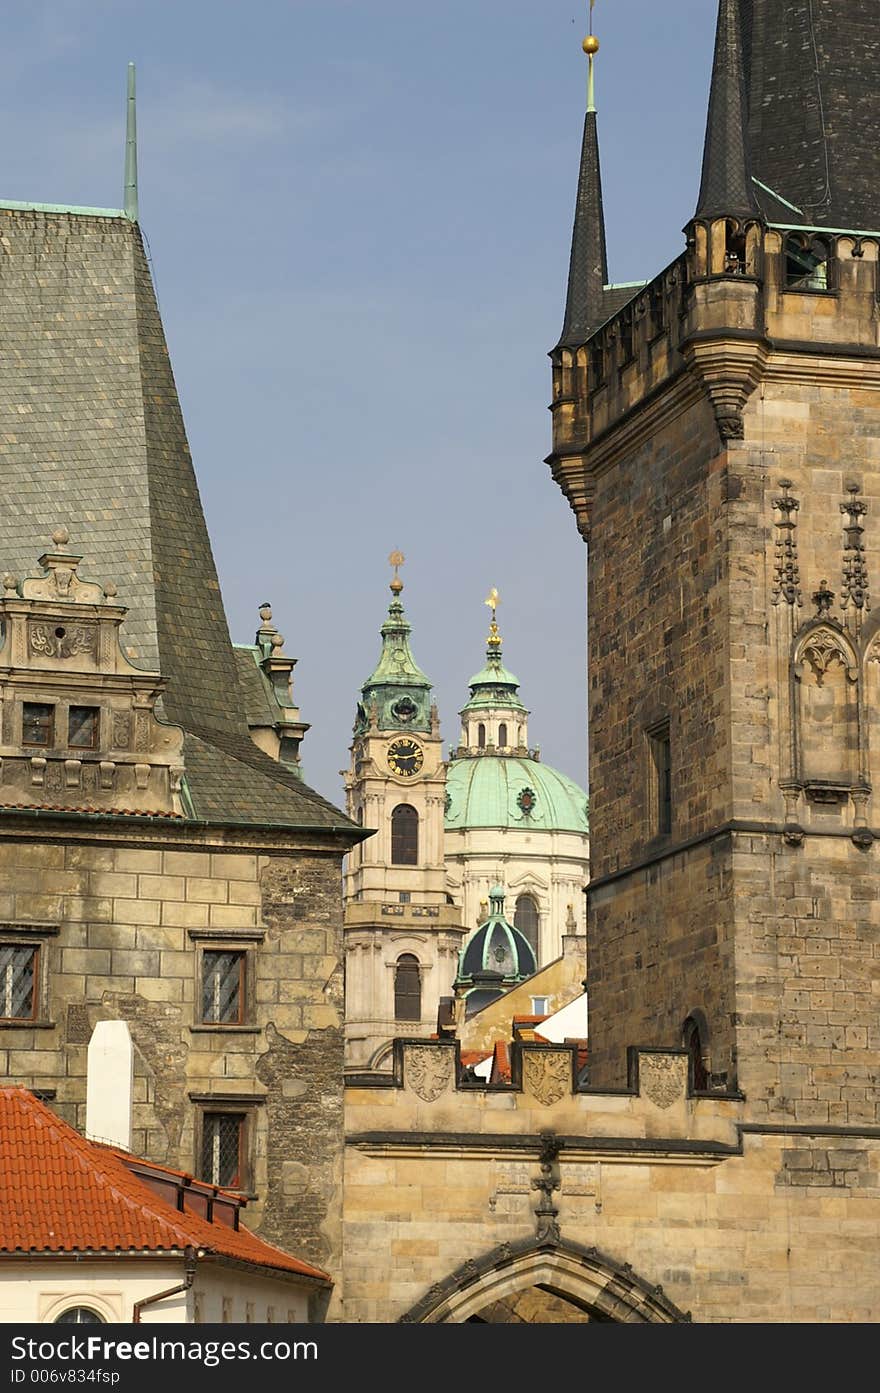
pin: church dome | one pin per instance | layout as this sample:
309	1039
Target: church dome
512	791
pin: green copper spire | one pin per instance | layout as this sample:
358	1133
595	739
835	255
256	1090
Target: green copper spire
493	685
130	203
397	695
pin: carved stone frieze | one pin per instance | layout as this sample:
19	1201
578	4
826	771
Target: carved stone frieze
63	641
428	1071
663	1078
546	1075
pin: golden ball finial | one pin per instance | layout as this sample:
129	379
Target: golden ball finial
590	45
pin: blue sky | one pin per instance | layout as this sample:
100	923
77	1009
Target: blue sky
359	216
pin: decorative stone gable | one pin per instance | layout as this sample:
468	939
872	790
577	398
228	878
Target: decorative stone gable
78	728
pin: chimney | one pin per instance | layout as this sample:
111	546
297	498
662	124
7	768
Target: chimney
110	1084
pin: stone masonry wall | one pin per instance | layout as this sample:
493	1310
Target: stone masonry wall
736	1224
122	926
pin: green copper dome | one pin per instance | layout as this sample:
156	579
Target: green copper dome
397	692
512	791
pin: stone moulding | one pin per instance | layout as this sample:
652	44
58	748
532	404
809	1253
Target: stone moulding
589	1278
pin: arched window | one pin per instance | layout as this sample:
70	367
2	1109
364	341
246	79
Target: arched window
404	836
481	736
79	1315
525	918
407	989
692	1039
807	262
502	735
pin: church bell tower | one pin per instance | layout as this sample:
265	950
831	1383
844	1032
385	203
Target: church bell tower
402	937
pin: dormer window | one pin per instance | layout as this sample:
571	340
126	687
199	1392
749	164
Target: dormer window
82	727
38	724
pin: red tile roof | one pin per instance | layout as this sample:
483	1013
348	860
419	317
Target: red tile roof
62	1194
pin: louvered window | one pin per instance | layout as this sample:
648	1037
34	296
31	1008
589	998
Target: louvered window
223	988
223	1148
18	981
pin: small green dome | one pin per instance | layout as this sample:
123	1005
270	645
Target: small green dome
509	791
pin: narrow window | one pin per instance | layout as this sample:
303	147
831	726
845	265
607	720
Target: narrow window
539	1005
404	836
82	727
481	736
661	761
502	735
222	988
405	897
18	981
734	251
37	724
223	1148
525	918
407	989
693	1043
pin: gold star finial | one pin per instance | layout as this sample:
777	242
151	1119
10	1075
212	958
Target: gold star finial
396	559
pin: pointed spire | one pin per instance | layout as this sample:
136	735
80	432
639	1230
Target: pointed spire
588	267
130	204
727	188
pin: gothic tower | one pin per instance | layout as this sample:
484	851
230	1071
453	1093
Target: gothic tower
402	937
716	431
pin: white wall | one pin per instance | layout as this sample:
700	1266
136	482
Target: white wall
39	1291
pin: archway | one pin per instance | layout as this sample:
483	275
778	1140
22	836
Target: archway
542	1281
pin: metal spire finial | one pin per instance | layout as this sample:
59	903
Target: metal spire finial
130	204
590	46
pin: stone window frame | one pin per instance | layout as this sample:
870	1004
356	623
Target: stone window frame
35	935
242	1105
245	941
60	742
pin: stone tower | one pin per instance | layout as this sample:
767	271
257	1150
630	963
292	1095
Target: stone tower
402	936
716	431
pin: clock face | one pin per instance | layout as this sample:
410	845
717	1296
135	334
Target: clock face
405	758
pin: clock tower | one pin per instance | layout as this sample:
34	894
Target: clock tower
402	936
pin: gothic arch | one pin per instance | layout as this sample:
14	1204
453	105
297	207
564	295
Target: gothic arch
605	1289
826	706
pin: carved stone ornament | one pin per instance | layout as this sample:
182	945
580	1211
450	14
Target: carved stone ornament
428	1071
61	641
547	1076
662	1078
823	647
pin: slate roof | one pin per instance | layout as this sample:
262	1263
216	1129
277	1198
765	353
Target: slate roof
813	103
92	438
62	1194
588	265
727	186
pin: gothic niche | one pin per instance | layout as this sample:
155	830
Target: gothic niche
825	698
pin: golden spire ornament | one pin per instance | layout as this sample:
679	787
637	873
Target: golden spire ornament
396	559
493	600
590	46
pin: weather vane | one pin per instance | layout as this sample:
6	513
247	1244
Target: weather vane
493	600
